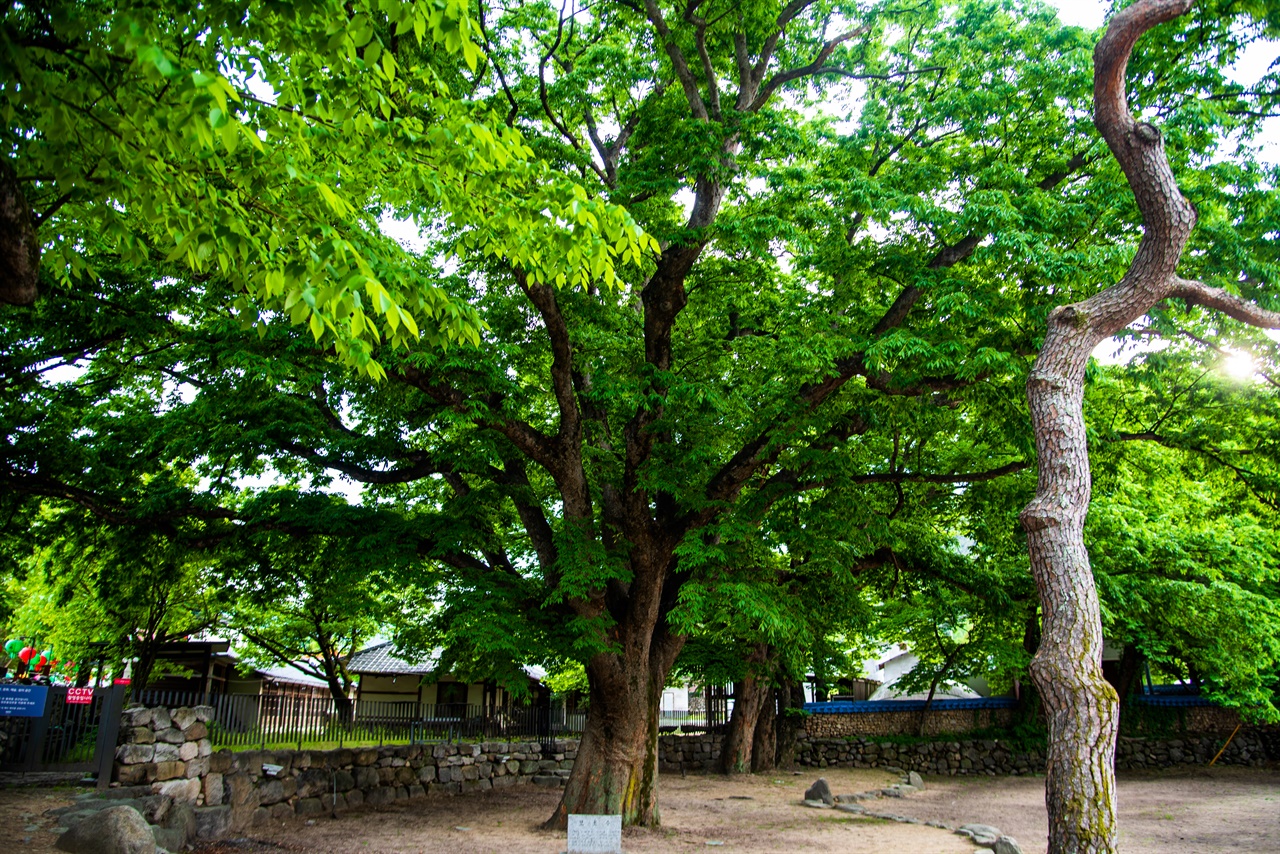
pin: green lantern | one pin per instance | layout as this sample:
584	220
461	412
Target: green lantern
12	647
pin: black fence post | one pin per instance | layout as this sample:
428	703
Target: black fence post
108	734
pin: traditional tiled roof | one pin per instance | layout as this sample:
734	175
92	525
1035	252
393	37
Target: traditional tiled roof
291	676
381	660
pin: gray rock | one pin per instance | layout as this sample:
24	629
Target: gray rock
309	806
816	804
1006	845
314	782
213	822
182	817
135	754
853	808
915	779
160	718
169	838
271	793
891	793
118	830
820	791
379	796
165	752
183	717
979	830
181	790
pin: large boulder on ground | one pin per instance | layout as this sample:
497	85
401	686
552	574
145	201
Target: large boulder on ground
820	791
1006	845
915	779
118	830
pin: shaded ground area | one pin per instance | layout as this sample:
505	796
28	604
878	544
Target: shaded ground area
1206	810
23	825
1226	810
752	814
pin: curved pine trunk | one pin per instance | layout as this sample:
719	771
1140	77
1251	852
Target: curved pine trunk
1080	705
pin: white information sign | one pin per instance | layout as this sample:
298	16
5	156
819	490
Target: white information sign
595	834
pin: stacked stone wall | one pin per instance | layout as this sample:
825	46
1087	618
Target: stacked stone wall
169	753
680	754
253	786
944	722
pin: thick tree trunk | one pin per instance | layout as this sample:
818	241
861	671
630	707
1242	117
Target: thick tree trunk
739	737
1130	665
764	748
616	771
790	721
19	245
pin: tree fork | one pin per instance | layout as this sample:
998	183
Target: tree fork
1081	707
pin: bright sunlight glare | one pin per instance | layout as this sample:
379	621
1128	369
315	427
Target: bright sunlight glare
1238	365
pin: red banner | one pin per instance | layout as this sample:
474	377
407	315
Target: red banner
79	696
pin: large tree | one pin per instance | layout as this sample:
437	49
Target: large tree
828	344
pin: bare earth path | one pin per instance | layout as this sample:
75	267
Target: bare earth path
1218	811
1205	810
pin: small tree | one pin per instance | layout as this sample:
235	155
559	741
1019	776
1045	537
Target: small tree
308	602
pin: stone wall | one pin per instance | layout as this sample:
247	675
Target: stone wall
937	722
170	751
677	754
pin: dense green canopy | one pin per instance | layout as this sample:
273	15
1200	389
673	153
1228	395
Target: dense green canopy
719	326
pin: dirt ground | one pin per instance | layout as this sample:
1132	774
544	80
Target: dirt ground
1206	810
1219	810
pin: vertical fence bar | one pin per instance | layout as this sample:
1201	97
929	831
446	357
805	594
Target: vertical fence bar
108	730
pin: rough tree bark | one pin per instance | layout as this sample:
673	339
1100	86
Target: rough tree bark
19	247
616	771
790	702
749	694
1080	705
764	748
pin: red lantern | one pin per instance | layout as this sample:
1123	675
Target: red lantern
26	655
41	662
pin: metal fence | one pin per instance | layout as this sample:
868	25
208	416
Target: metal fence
243	721
282	720
61	733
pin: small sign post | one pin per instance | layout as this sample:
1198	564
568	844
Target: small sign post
79	696
595	834
22	701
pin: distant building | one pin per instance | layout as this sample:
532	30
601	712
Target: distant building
211	668
385	677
